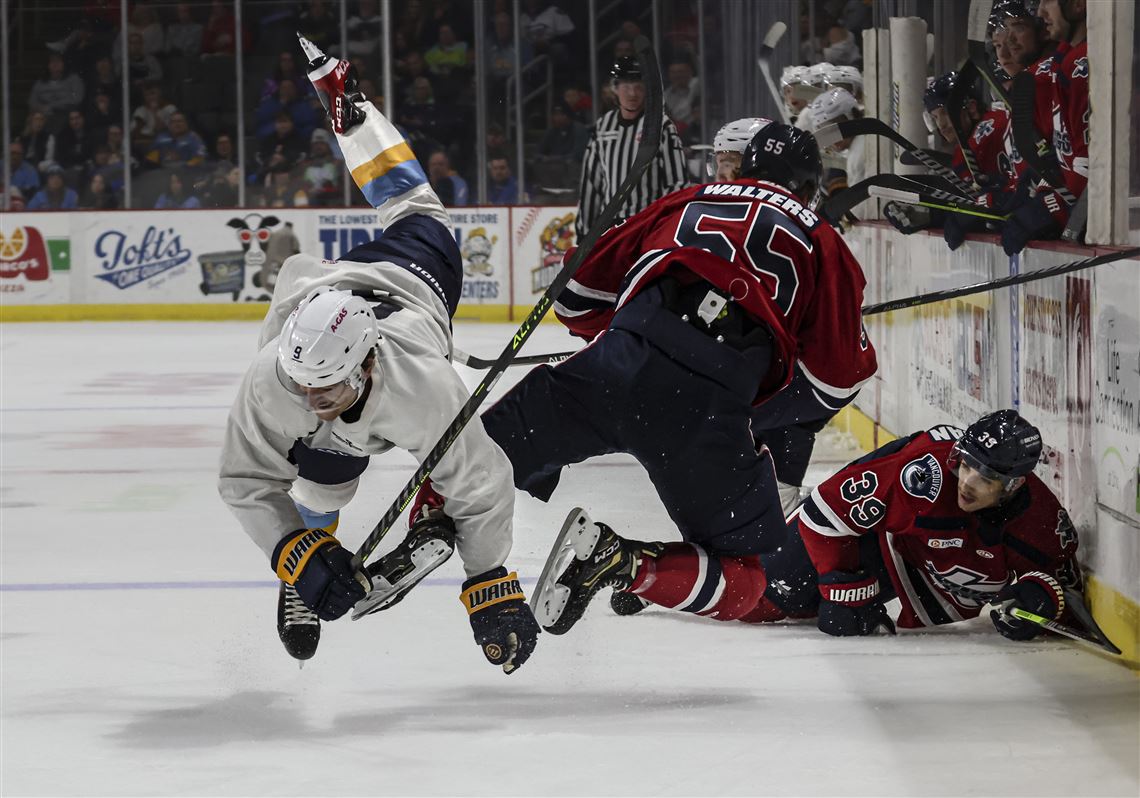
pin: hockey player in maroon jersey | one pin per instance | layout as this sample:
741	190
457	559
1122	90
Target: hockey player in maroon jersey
700	309
942	520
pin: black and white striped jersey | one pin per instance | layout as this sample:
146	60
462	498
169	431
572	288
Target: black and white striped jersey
609	156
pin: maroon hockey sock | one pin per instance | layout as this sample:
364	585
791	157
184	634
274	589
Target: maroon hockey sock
687	578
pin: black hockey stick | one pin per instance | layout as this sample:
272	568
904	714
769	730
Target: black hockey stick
951	293
869	126
764	61
1094	636
646	151
911	159
1001	282
955	102
459	356
900	188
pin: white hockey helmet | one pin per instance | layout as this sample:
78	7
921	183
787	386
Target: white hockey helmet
734	136
793	75
832	106
327	338
845	77
817	74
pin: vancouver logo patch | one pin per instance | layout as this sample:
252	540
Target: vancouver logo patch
922	478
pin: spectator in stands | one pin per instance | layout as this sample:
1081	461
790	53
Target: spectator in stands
144	22
413	26
841	48
150	118
24	176
682	96
142	67
287	100
115	139
503	187
223	187
447	55
496	139
453	13
39	143
98	195
566	137
15	199
55	195
103	79
178	147
176	195
547	29
102	114
184	37
499	57
84	50
421	115
280	150
282	191
365	29
224	154
219	37
74	146
447	184
579	104
285	71
59	92
414	67
109	164
320	171
319	26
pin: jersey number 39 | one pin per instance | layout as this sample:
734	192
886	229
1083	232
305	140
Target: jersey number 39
866	510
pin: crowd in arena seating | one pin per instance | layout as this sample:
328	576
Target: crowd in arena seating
182	101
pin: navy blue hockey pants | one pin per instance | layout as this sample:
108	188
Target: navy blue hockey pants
654	387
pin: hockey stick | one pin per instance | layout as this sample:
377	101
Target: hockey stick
1001	282
951	293
869	126
764	61
955	103
926	201
646	151
459	356
916	193
1062	629
909	158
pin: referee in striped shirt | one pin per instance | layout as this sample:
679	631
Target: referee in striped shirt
610	153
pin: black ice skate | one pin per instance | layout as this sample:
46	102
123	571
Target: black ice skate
428	545
337	86
298	626
623	603
587	556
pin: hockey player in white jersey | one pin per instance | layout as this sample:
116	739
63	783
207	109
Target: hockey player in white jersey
354	359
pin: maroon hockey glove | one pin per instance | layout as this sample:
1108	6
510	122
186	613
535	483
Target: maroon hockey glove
1034	592
852	605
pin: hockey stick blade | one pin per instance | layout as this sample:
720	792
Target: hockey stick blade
1061	629
478	363
1001	282
647	149
764	61
907	190
915	198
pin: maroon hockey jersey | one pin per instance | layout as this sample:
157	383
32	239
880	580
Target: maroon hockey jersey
944	563
780	262
1069	107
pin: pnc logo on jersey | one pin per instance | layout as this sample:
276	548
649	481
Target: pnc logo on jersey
945	543
922	478
1081	68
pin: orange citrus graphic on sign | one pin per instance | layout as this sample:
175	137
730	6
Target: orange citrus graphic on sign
12	246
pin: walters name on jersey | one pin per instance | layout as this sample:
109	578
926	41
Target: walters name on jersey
896	512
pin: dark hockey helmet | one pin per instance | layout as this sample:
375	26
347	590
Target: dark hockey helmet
1005	10
784	155
1002	446
938	92
626	68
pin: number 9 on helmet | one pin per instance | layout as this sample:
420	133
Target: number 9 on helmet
327	338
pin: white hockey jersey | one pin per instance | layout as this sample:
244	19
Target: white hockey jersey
414	396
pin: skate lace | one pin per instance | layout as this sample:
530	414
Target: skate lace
296	613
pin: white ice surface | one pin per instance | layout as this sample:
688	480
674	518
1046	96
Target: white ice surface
139	655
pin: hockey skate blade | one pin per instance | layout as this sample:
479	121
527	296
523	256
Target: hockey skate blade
426	559
550	597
